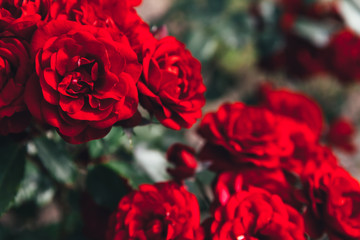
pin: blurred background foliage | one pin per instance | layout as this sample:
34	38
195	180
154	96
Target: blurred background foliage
48	185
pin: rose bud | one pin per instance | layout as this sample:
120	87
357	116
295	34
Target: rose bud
184	160
341	134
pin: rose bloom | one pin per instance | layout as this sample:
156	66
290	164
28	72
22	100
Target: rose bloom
172	86
14	71
86	80
163	211
106	14
20	18
255	214
272	180
296	106
307	158
333	198
183	157
240	134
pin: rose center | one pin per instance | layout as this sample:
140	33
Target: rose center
81	81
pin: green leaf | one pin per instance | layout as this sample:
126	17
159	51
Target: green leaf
107	145
34	187
12	167
106	186
130	171
56	159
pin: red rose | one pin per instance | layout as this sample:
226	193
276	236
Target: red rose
341	134
183	157
307	158
14	72
86	80
164	211
110	14
238	134
272	180
136	30
17	20
343	56
333	203
172	87
296	106
256	214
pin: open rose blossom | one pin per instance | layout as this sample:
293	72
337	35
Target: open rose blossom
296	106
240	134
86	80
333	197
164	211
14	71
172	86
255	214
272	180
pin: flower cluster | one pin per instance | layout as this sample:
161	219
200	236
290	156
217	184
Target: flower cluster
84	66
305	53
274	179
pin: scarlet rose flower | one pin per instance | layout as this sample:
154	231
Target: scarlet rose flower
18	20
296	106
238	134
343	56
333	203
341	134
256	214
86	80
183	157
307	158
272	180
163	211
136	30
110	14
14	71
172	87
